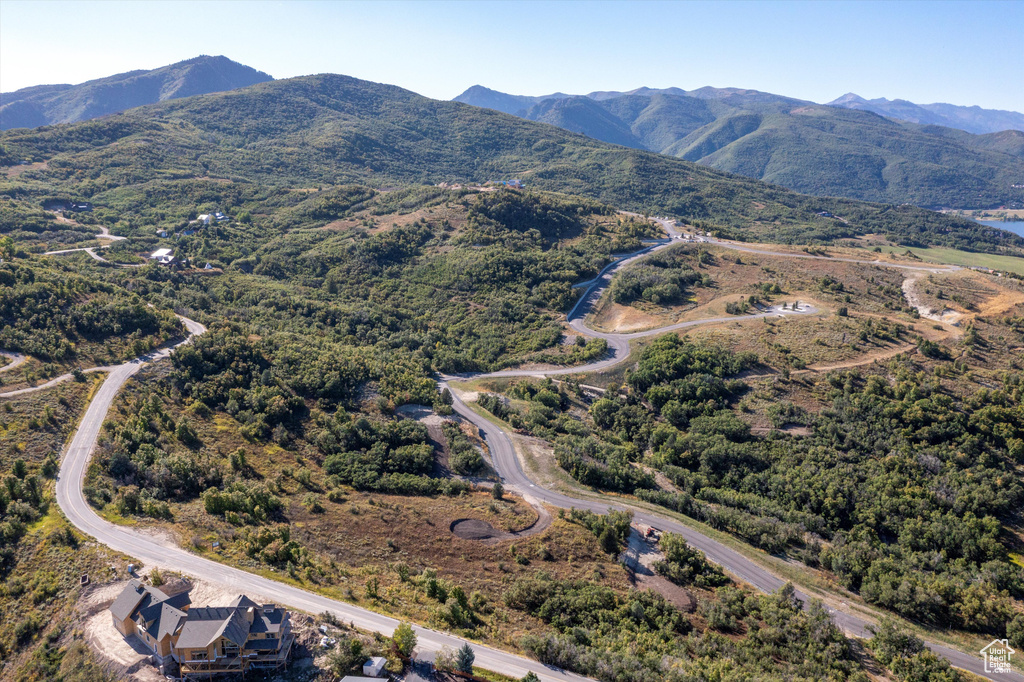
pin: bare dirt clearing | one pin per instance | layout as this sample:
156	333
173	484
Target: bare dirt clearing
639	558
15	171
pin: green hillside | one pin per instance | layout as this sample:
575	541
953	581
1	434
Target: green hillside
820	150
331	130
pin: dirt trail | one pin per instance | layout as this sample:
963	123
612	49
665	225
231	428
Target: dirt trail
67	377
866	359
947	315
52	382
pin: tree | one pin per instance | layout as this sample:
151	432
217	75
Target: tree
6	248
498	490
609	541
346	657
464	658
404	639
186	434
1015	631
890	643
445	660
530	677
446	396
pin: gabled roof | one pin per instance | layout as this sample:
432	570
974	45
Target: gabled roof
161	620
153	610
243	602
135	595
179	601
206	625
268	618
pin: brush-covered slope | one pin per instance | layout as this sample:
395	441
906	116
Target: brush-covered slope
331	129
49	104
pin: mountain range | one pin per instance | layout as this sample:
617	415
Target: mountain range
852	147
812	148
49	104
972	119
332	129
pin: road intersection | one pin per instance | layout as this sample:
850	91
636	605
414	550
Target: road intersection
130	541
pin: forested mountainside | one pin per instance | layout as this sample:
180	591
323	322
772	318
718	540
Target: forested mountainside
823	150
334	129
864	448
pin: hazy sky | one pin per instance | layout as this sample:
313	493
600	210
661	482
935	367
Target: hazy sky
958	52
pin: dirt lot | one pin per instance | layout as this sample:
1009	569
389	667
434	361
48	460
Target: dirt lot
15	171
639	557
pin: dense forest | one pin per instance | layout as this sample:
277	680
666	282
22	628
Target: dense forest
901	490
50	314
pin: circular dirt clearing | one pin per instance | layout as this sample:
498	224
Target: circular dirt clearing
475	529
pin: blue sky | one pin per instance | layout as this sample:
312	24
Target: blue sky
958	52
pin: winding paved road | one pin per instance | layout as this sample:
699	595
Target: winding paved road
16	360
91	250
509	468
171	557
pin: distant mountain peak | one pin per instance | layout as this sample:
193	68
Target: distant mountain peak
973	119
479	96
848	98
49	104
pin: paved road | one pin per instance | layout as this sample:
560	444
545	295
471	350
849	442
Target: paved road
152	552
91	250
507	464
618	344
171	557
16	360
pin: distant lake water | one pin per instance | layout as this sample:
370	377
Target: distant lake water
1015	226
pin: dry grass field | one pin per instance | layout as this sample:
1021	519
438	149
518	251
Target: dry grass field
736	276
